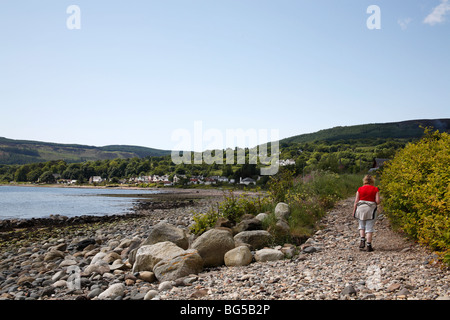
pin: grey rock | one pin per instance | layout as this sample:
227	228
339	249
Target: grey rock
53	255
262	216
282	211
151	294
149	255
348	290
47	291
282	227
268	255
166	232
309	249
212	246
257	239
94	293
246	225
403	292
240	256
165	285
189	262
113	292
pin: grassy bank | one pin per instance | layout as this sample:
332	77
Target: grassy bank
310	198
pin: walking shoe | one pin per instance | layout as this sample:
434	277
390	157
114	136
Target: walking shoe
369	248
362	244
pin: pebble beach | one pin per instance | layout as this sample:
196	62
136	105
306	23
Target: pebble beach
39	263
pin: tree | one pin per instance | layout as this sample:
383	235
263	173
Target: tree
34	175
47	177
21	174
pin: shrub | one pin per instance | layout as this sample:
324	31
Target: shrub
204	221
232	208
280	184
416	191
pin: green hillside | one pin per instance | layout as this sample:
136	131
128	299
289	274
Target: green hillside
394	130
26	151
370	139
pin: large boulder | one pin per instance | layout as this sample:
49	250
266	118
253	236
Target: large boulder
240	256
282	211
257	239
189	262
166	232
212	246
148	256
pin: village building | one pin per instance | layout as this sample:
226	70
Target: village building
95	179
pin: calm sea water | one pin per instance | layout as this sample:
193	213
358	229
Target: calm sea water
39	202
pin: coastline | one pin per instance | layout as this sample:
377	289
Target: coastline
169	198
55	185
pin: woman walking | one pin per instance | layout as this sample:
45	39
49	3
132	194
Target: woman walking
365	209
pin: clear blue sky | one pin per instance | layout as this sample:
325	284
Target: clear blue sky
138	70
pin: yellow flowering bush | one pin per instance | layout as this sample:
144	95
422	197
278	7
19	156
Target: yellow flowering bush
416	191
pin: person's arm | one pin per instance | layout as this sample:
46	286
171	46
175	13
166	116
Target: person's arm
377	198
356	202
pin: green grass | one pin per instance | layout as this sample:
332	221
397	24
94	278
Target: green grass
311	197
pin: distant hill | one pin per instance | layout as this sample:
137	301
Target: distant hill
25	151
404	129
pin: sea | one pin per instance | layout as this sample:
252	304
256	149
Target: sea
23	202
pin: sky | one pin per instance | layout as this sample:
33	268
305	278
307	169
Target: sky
140	72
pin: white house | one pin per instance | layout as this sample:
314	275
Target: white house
145	179
287	162
95	179
177	178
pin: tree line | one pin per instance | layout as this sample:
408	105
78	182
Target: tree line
342	156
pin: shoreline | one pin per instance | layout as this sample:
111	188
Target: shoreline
143	206
55	185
